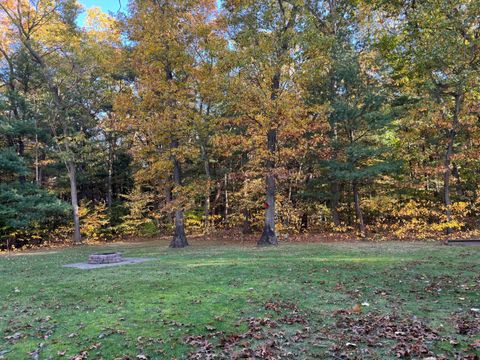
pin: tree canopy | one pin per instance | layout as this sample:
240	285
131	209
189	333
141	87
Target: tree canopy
276	117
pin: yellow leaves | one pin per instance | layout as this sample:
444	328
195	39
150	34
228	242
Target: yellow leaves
460	208
413	209
193	221
100	26
139	219
158	169
8	20
94	220
423	219
342	228
453	224
6	34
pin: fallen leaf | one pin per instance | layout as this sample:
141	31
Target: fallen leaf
357	308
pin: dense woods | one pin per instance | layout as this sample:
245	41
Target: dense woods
273	117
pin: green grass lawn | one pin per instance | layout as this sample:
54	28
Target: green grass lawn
292	301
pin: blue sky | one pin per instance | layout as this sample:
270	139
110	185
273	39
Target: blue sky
109	5
105	5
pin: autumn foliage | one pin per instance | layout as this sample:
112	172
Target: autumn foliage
272	117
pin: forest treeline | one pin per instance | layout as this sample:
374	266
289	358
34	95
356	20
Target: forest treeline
270	116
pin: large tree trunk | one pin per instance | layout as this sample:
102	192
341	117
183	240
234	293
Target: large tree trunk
72	174
269	236
448	154
179	239
335	189
169	199
358	209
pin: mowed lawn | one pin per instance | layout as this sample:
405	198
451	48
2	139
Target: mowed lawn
297	301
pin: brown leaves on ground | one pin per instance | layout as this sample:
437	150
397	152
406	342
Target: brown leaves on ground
284	333
83	354
266	338
360	336
468	324
12	339
355	336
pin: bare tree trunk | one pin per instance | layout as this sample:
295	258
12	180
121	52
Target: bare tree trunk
168	199
72	174
247	223
448	155
225	214
179	238
334	186
358	209
110	172
334	202
206	210
446	190
37	167
21	152
206	166
269	236
458	184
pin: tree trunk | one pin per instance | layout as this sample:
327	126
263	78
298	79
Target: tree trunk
110	173
247	223
335	189
206	210
358	209
21	152
72	174
60	107
448	155
304	222
269	237
458	184
206	166
169	199
225	210
179	239
37	167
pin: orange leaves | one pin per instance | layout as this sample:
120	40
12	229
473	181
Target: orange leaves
357	309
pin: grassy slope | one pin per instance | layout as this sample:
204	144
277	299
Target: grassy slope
151	307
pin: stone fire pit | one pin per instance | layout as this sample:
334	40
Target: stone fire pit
105	258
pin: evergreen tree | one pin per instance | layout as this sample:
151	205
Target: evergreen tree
23	205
